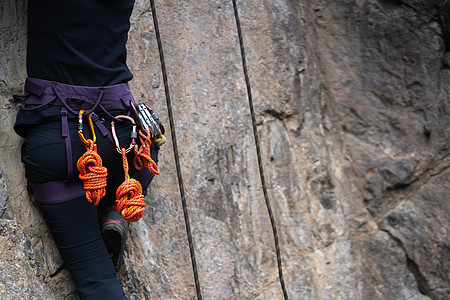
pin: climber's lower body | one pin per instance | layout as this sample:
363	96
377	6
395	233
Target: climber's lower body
75	229
72	220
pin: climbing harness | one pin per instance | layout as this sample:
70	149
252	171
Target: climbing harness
63	100
258	150
90	165
40	93
175	151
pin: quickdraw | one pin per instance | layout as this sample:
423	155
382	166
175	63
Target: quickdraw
147	119
90	164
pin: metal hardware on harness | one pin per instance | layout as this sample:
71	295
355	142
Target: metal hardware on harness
155	117
133	134
136	115
80	128
149	120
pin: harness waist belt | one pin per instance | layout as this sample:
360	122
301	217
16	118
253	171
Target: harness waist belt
72	98
42	92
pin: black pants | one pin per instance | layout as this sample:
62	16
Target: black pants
74	223
75	229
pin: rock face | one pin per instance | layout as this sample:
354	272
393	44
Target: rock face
353	112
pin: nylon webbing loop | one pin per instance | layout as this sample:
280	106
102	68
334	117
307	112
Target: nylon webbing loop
67	142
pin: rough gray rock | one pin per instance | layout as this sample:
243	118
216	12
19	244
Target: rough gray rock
353	113
18	266
4	195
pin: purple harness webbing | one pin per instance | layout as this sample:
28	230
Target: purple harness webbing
41	92
66	135
56	191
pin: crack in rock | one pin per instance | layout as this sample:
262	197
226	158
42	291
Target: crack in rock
413	267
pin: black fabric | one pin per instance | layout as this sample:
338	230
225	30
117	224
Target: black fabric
44	154
79	42
82	43
29	119
76	231
74	223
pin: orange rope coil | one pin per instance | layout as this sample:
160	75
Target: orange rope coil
130	201
90	164
143	158
92	173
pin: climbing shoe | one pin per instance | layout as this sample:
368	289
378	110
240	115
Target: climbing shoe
114	231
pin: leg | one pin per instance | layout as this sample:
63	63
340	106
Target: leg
75	229
114	227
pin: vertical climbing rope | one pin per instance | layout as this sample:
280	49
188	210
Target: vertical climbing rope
258	150
175	151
